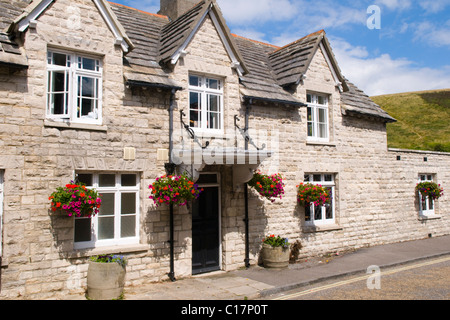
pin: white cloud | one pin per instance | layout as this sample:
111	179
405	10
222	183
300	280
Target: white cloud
433	35
240	12
395	4
434	6
383	75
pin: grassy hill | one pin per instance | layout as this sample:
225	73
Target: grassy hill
423	119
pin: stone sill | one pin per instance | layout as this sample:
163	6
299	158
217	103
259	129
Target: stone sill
83	253
320	143
76	126
425	218
324	228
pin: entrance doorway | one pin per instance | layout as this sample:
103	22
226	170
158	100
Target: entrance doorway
206	226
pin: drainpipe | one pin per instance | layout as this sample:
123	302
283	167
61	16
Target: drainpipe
170	169
246	220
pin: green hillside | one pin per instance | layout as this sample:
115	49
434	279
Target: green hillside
423	119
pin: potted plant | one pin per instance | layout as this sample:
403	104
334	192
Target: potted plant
275	252
174	189
106	277
268	186
75	200
430	189
308	193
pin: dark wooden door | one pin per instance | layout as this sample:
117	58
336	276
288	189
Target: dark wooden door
205	232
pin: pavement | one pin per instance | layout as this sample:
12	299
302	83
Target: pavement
260	283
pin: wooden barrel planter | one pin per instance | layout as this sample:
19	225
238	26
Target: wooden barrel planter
105	281
275	257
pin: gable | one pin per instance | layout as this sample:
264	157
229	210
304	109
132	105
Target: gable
37	8
291	62
177	35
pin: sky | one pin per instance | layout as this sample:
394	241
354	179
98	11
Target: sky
382	46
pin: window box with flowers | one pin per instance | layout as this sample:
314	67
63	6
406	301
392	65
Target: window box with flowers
275	252
268	186
174	189
75	200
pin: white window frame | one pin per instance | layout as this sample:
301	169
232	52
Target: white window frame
73	73
205	91
310	178
315	108
1	211
428	209
117	190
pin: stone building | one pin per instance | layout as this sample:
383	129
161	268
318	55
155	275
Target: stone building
109	95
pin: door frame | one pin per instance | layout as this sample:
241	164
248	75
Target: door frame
218	186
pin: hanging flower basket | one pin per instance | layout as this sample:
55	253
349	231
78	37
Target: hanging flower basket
308	193
174	189
75	200
270	187
430	189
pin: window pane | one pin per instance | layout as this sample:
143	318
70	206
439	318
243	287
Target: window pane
214	121
322	115
317	178
329	211
328	177
82	229
128	226
213	84
430	204
306	178
194	114
86	179
214	104
107	207
128	203
105	228
317	212
321	100
308	213
128	180
88	64
107	180
323	130
59	59
194	81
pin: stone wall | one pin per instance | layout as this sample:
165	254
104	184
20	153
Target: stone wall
375	198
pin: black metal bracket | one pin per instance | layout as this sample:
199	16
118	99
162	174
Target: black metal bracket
191	132
246	135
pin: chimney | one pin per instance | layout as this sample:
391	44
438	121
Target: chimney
175	8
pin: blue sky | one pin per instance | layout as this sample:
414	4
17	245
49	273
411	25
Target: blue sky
409	52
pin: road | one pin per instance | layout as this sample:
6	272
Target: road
424	280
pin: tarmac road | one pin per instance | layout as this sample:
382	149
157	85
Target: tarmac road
424	280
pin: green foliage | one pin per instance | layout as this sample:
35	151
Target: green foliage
422	120
110	258
276	241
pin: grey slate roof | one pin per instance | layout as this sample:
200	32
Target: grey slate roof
357	103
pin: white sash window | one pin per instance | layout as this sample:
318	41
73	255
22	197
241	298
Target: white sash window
74	87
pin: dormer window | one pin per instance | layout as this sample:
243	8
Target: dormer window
318	124
205	103
74	87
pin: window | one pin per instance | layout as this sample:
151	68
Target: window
118	219
205	103
317	117
319	215
74	87
426	204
